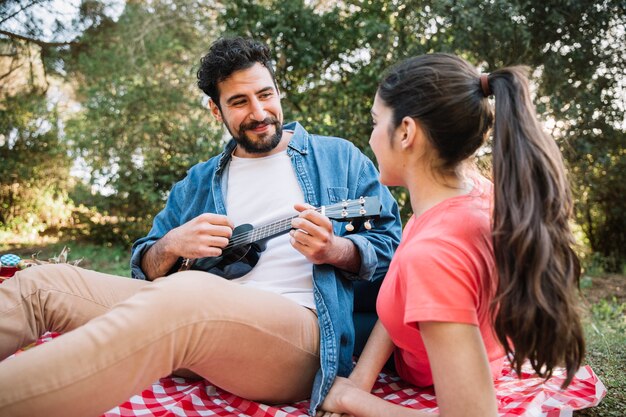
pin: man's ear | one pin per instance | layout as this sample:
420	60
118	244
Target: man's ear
215	111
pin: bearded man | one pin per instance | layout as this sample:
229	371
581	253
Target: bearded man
272	322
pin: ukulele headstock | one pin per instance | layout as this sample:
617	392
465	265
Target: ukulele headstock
361	209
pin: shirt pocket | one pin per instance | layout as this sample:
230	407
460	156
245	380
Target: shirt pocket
337	194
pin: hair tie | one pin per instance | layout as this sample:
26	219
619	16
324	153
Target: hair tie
484	84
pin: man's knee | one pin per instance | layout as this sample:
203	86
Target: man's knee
45	275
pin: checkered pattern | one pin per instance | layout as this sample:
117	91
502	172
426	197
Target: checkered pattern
528	396
10	259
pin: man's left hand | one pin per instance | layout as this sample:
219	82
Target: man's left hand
313	235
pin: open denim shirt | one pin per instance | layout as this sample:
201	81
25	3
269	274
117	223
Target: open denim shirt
329	170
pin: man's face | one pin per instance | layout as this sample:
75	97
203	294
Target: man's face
250	110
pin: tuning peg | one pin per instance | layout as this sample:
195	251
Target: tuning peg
349	227
368	225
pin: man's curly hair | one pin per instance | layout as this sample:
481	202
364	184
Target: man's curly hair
226	56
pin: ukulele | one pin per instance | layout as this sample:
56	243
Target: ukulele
247	242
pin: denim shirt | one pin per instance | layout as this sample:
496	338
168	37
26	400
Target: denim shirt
328	170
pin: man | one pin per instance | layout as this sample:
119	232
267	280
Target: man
279	333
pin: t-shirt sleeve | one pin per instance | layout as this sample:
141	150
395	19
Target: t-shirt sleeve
440	283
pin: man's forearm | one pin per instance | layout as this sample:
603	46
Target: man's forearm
347	256
157	260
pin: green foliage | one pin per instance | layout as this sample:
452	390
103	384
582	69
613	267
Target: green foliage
576	47
142	122
330	57
34	173
596	264
612	312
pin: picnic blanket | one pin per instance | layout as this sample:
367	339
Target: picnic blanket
528	396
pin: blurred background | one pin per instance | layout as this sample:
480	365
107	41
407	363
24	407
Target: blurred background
100	113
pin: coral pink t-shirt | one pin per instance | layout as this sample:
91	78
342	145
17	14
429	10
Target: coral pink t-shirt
442	271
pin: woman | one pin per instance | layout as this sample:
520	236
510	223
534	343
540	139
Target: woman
483	269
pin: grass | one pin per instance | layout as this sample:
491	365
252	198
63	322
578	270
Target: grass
605	314
105	258
605	331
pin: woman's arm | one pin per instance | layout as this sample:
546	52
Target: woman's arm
460	369
346	398
461	377
358	386
375	354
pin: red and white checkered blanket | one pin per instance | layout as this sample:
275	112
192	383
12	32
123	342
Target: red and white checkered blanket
528	396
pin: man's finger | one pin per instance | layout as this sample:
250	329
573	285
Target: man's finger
216	219
299	236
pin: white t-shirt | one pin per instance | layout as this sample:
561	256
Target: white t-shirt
261	191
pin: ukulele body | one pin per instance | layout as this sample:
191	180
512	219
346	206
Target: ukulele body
234	262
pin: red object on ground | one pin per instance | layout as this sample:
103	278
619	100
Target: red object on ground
7	272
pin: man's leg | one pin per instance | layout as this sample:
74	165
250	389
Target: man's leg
253	343
56	298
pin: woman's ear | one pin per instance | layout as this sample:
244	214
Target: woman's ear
411	133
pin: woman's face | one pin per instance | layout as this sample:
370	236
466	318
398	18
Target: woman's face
382	143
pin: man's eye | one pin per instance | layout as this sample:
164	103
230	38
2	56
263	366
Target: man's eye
266	95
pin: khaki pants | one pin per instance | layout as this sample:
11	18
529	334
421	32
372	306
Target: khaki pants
120	335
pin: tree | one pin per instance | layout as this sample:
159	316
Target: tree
143	122
140	121
578	50
34	174
33	31
330	56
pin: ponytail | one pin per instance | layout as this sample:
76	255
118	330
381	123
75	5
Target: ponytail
535	307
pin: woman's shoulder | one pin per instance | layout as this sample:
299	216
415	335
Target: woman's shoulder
471	213
461	227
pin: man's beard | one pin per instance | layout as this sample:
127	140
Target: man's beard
265	142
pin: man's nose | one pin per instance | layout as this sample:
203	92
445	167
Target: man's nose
257	112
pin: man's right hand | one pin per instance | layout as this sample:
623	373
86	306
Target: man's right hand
205	235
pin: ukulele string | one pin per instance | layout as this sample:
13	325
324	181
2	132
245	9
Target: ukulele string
282	225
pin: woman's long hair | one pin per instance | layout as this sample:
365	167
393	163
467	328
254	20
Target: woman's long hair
537	268
535	305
